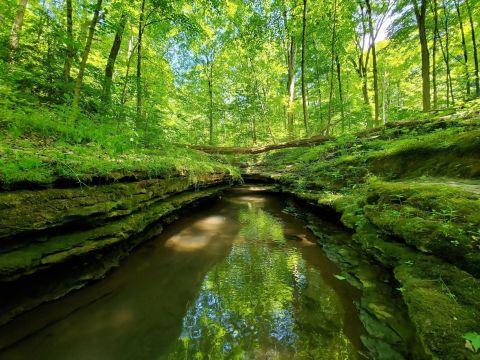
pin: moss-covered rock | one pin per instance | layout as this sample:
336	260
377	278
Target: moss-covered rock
47	268
443	220
29	211
412	196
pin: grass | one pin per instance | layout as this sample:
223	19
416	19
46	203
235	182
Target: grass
38	146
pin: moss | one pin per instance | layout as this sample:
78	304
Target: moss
412	195
24	163
437	219
35	256
444	304
26	211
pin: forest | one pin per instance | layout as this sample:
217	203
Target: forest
240	179
234	72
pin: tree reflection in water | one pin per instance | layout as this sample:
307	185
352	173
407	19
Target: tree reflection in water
264	301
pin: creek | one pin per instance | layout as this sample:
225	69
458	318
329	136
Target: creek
237	277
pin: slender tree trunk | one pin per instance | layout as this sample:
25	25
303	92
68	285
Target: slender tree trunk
254	129
17	28
82	35
475	53
332	53
139	62
130	50
374	64
112	57
420	13
384	102
363	64
447	55
464	47
292	57
319	91
366	101
210	100
67	67
319	86
340	93
434	53
265	114
304	44
83	63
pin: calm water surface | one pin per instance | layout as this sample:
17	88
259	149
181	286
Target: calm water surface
238	279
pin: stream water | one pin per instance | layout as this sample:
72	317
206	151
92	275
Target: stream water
239	278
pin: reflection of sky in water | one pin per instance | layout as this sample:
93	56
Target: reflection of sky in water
263	301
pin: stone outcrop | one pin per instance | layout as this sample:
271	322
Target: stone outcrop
55	240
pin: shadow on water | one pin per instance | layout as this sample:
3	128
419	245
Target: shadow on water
237	279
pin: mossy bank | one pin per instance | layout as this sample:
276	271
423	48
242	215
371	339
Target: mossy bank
57	239
412	197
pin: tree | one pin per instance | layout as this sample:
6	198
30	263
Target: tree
332	55
475	53
69	53
420	15
374	63
141	28
436	37
83	63
446	56
464	46
17	28
291	62
304	42
112	57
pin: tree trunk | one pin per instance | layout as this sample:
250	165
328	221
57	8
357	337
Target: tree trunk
83	63
374	64
292	56
420	13
319	85
139	62
385	87
210	102
464	47
332	53
447	55
340	93
16	28
434	53
363	61
475	54
304	43
112	57
319	91
264	105
67	67
130	50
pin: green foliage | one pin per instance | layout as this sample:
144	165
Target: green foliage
473	338
39	147
224	61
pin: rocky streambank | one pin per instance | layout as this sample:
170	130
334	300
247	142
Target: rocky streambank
54	240
411	196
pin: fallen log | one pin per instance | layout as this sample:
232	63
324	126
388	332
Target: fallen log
312	141
320	139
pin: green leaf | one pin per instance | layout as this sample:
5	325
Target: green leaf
340	277
474	339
